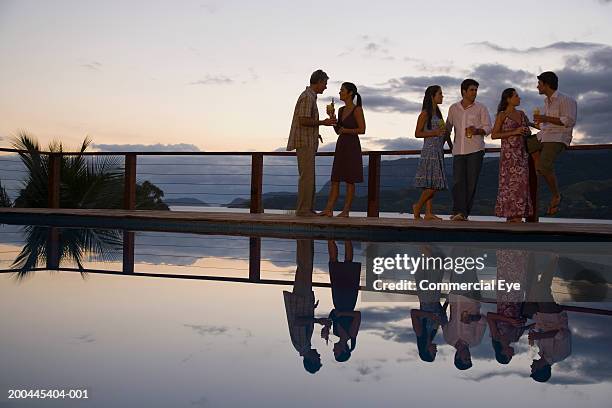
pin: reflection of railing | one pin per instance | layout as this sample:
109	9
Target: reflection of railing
54	251
256	173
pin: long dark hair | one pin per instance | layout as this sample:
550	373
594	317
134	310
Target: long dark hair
352	88
423	342
430	92
503	103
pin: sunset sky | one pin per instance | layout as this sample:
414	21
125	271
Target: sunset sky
225	75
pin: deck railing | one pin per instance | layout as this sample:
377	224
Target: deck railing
256	173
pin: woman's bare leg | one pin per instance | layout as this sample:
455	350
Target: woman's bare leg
429	215
348	200
331	200
418	206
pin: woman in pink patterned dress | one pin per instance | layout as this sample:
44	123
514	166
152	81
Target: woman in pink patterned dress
511	125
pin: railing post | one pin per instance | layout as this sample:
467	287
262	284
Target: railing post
533	190
373	184
129	240
256	183
55	161
129	192
53	249
254	259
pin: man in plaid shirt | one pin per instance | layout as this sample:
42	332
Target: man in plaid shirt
304	139
300	305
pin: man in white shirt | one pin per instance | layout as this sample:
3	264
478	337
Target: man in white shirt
472	123
556	124
467	325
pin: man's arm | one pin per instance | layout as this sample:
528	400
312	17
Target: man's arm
567	114
312	122
306	115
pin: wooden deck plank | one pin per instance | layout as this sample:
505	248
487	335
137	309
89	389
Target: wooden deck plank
320	224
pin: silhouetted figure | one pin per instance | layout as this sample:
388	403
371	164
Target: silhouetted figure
304	139
426	320
348	165
471	122
551	331
300	305
511	126
508	325
557	124
430	174
345	321
467	325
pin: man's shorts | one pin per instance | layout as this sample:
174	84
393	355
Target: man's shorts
548	153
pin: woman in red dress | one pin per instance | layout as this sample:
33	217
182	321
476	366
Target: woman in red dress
511	125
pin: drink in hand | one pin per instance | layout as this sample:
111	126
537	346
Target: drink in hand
331	110
536	111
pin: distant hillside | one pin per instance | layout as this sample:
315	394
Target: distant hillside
186	201
585	179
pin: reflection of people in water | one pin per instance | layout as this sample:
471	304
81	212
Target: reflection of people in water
508	325
431	314
344	277
300	306
551	330
467	325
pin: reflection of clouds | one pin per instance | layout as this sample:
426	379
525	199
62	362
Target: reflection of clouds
202	402
205	330
187	249
365	372
85	338
589	362
212	330
503	373
383	322
189	357
394	324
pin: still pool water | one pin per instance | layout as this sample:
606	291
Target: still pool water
198	324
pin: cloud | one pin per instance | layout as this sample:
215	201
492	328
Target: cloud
419	83
210	7
383	100
588	79
561	46
94	65
584	76
400	143
213	80
177	147
371	48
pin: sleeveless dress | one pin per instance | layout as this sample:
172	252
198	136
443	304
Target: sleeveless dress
430	170
513	199
344	278
511	267
348	164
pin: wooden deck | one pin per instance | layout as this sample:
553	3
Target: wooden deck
274	225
